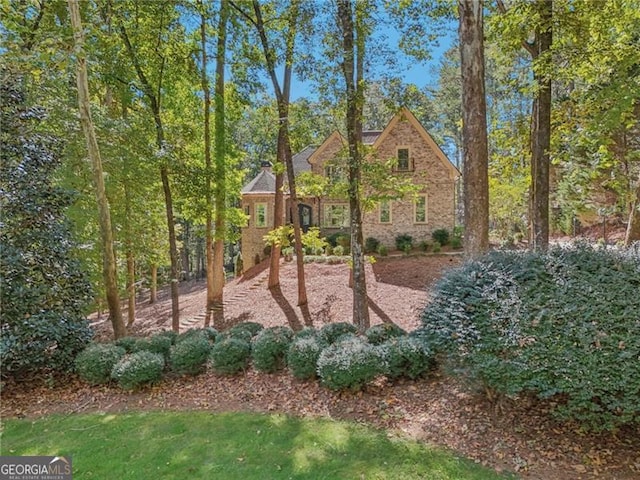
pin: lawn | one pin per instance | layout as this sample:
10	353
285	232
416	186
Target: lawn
244	446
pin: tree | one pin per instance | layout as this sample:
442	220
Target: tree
474	129
220	168
540	51
353	35
44	292
84	106
153	93
282	94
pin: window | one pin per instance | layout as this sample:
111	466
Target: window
403	159
420	209
384	212
336	216
247	212
334	173
261	215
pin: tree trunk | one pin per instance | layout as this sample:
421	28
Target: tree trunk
153	288
474	129
354	138
108	258
633	228
131	286
207	159
284	154
220	167
541	134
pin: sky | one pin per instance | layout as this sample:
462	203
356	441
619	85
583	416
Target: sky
413	71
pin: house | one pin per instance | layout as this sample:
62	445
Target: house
417	157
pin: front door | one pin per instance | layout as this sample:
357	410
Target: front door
305	213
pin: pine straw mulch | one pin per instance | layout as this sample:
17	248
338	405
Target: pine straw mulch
517	436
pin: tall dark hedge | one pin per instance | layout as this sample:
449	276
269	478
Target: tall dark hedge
563	324
43	290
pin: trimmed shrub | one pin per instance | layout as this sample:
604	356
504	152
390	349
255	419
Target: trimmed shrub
94	364
456	242
441	236
559	324
330	332
349	364
157	343
437	248
371	245
339	238
189	356
383	251
208	333
253	327
128	343
307	332
169	334
230	355
424	246
406	357
338	250
269	348
137	369
378	334
404	242
302	356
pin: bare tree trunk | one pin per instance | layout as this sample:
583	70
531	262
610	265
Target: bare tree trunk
352	59
207	160
541	134
220	191
474	129
84	107
153	289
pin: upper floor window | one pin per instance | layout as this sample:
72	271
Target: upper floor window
403	160
334	173
261	215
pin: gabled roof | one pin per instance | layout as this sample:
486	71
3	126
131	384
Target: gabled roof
405	114
336	135
264	182
370	136
301	159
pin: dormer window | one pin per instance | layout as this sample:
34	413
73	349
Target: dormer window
404	164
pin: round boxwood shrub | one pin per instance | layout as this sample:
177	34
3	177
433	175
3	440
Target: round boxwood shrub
404	242
406	357
371	245
269	348
157	343
169	334
560	324
307	332
230	355
302	356
128	343
137	369
330	332
189	356
253	327
378	334
208	333
349	364
441	236
94	364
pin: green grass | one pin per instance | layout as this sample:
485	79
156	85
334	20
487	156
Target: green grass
229	446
